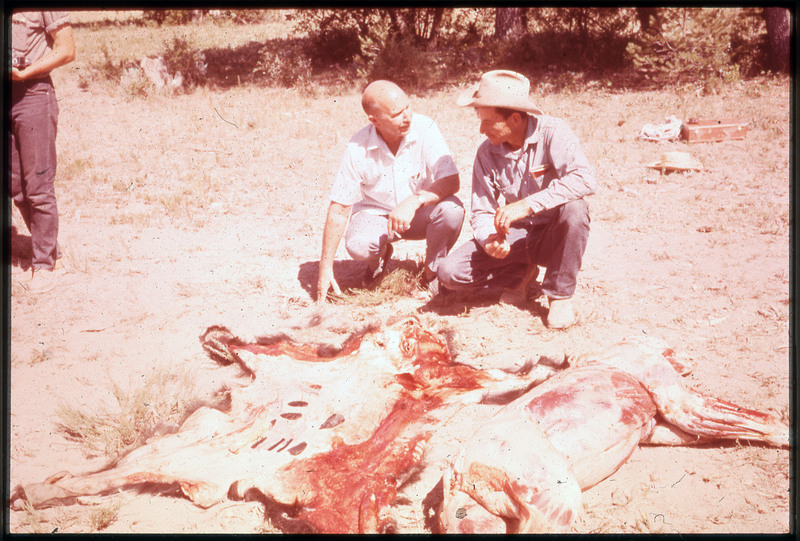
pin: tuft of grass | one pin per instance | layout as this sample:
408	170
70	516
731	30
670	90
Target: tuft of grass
47	521
75	168
162	401
41	356
102	517
34	519
401	283
141	219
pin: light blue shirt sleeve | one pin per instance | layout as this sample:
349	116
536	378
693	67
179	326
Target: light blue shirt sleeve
484	196
573	177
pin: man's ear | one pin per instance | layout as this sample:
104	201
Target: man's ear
516	119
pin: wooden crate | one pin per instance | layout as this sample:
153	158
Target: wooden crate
725	129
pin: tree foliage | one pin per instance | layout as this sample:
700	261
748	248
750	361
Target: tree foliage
425	47
696	43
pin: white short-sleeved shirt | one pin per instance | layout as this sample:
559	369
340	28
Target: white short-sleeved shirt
373	179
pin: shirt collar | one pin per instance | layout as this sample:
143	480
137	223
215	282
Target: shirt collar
532	136
374	141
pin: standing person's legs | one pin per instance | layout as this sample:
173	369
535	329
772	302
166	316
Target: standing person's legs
439	225
33	169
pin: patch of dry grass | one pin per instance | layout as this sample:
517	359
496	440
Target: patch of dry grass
132	42
396	285
102	517
34	520
47	521
161	403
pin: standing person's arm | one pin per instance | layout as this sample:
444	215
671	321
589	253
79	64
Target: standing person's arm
63	52
335	224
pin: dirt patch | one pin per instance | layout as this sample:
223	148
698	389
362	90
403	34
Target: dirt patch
207	209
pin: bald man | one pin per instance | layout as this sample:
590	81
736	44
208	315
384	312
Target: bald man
397	180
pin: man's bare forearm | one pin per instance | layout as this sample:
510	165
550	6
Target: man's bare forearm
335	224
440	189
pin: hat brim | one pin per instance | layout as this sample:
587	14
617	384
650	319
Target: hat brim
693	166
467	99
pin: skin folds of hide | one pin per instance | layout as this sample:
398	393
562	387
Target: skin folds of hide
524	470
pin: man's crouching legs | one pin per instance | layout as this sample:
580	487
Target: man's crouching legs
444	221
366	238
560	248
439	225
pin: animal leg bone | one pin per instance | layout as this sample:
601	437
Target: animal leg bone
657	369
710	418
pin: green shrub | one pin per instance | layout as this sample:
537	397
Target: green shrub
331	46
400	60
109	69
134	83
279	62
169	16
180	57
283	66
710	46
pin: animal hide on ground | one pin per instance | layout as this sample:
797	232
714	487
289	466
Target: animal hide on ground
322	436
524	470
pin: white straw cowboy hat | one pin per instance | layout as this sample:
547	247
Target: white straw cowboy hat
500	88
677	161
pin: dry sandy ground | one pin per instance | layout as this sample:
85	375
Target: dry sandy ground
185	212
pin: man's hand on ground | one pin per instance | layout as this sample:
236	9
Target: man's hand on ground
326	281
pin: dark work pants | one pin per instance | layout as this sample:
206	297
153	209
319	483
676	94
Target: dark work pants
555	240
34	117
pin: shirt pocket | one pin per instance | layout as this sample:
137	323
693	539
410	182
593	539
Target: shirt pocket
507	185
372	173
415	181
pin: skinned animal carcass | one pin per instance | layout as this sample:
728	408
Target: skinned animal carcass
323	437
525	469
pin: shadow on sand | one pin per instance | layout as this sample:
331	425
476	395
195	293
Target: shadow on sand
19	250
349	276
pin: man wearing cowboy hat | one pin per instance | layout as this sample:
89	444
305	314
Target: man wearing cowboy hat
535	163
400	180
